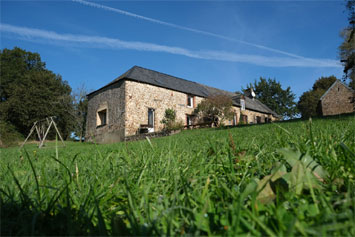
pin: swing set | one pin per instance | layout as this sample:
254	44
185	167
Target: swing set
42	128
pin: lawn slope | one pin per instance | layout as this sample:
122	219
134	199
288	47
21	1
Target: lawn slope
290	178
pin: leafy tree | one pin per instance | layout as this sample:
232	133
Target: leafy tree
9	135
270	93
169	117
309	101
170	122
323	83
80	103
347	48
29	92
215	109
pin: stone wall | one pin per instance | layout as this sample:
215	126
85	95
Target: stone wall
140	97
127	103
142	136
112	98
338	100
252	116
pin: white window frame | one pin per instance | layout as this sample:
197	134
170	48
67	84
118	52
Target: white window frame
151	129
188	120
190	99
235	119
242	104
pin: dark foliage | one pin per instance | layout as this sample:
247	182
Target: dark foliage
347	48
30	92
80	111
215	109
308	104
270	93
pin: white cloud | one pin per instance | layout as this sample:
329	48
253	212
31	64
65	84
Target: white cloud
105	42
122	12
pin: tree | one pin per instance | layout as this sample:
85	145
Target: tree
347	48
169	117
80	103
215	109
169	121
309	101
30	92
270	93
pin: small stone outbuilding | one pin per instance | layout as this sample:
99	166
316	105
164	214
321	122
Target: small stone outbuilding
338	99
139	98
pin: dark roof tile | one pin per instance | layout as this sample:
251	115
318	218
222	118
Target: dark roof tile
152	77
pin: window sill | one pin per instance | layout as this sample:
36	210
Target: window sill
102	125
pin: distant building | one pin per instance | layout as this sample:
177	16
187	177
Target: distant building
338	99
138	99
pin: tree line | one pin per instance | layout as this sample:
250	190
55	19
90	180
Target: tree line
282	101
30	92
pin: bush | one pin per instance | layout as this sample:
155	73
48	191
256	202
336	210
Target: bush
9	136
215	109
169	120
176	126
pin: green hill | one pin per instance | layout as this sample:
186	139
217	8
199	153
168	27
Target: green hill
289	178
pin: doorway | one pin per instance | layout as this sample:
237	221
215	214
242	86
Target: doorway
150	120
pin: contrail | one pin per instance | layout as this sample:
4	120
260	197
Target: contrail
50	37
100	6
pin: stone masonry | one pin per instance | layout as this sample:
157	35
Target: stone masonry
141	97
339	99
111	98
119	109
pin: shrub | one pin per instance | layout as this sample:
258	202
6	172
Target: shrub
215	109
9	136
241	121
176	125
169	121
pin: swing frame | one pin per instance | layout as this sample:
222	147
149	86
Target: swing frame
40	128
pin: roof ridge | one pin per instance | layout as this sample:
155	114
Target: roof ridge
153	77
216	88
337	80
345	85
136	66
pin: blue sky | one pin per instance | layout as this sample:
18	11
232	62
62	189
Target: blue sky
224	44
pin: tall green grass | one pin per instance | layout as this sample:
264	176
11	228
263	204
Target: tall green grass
200	182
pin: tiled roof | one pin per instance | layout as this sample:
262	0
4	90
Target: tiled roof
152	77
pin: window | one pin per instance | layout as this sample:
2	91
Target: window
242	104
234	120
101	117
188	120
151	118
258	119
245	119
190	101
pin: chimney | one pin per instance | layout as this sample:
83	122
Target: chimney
249	93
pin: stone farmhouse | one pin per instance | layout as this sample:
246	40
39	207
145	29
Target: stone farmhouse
338	99
139	98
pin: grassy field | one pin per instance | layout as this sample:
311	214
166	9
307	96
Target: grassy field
290	178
